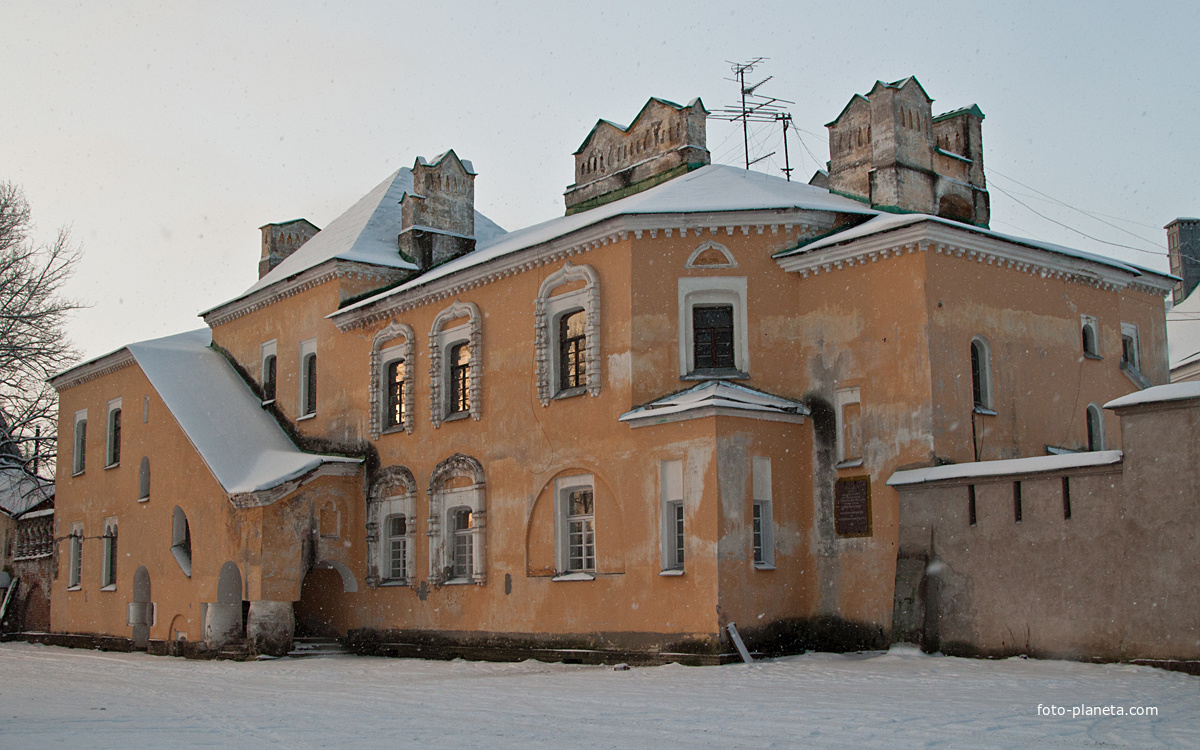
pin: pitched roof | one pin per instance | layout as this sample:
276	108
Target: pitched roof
715	397
364	233
979	469
242	444
887	222
18	490
714	188
1183	391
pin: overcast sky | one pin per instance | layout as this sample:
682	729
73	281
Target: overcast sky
165	134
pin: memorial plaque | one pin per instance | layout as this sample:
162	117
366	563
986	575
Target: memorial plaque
852	506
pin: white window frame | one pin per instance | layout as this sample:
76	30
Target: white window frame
268	349
440	342
108	569
79	444
844	397
381	358
547	314
671	492
1086	321
987	398
75	557
386	548
760	470
452	501
1094	408
700	291
111	440
562	543
307	348
1131	330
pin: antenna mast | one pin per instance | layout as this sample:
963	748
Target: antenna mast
755	107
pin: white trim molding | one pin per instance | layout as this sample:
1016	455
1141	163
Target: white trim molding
548	310
393	493
730	262
441	501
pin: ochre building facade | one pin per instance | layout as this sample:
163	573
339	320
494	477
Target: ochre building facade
614	433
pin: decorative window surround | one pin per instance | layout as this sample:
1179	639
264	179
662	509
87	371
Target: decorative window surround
442	500
703	248
378	385
793	225
950	241
439	345
393	493
548	310
697	291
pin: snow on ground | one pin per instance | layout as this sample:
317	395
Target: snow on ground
53	697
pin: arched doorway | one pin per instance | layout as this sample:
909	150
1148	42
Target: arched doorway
141	610
321	599
36	611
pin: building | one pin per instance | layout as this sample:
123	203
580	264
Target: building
1183	252
609	435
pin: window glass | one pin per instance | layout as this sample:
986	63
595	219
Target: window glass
712	333
462	550
310	384
395	394
581	537
269	376
114	437
460	378
397	548
572	344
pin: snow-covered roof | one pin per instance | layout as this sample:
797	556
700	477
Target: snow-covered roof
19	491
365	233
1183	331
1169	392
886	222
983	469
714	188
715	396
242	444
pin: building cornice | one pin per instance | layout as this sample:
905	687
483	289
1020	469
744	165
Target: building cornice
96	368
950	241
301	282
795	224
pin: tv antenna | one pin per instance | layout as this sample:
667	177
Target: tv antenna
756	107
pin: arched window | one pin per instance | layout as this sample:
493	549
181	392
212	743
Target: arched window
572	347
310	384
391	527
144	480
567	334
981	373
1095	428
457	522
1091	344
391	389
455	354
181	541
113	444
268	378
460	379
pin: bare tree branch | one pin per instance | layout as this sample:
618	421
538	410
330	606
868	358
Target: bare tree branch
33	342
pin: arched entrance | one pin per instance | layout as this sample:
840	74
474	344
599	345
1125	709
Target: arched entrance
321	599
36	611
141	610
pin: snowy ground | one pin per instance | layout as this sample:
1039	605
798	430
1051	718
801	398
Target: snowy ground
52	697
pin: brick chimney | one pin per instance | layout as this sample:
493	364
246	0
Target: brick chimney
281	240
437	219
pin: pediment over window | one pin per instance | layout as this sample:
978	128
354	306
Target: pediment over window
711	255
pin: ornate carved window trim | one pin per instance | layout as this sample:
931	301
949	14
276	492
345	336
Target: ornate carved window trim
546	314
439	343
394	492
442	500
378	385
